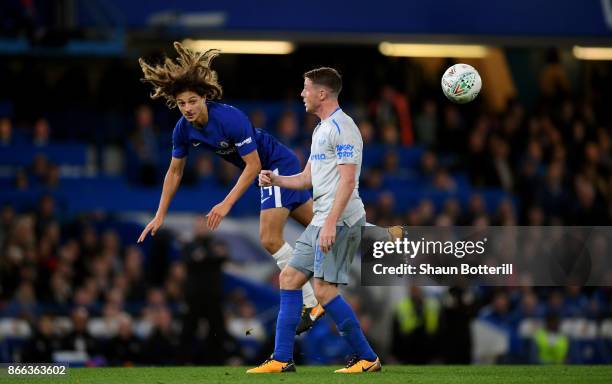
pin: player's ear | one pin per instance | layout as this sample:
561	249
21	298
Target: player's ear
322	93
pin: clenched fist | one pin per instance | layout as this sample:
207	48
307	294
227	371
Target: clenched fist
266	178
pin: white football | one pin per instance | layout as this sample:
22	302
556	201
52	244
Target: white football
461	83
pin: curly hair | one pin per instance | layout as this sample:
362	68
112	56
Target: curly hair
190	72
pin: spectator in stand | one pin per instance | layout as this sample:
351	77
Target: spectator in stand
452	131
554	83
428	165
555	303
41	132
174	286
287	129
367	132
576	303
248	331
156	301
552	195
385	209
6	132
476	157
414	328
392	111
134	274
204	168
452	209
498	312
60	291
391	164
476	208
125	349
40	168
226	173
588	208
7	218
258	118
529	170
443	181
42	344
144	143
22	182
551	345
426	124
79	339
505	214
458	309
24	304
162	347
498	171
529	307
309	124
389	135
203	257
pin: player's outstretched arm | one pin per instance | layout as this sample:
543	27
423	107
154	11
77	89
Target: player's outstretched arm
302	180
171	183
250	171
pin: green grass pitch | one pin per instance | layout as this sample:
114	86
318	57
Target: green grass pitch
322	375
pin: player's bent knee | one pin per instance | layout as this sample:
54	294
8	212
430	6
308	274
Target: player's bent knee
324	297
291	278
325	292
270	242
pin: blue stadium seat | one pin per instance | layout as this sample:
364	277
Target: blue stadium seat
61	154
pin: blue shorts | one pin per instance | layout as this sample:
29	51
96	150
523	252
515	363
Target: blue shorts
277	197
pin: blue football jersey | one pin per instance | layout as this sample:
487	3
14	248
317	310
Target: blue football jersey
230	135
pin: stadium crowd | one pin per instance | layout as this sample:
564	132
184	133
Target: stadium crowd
82	289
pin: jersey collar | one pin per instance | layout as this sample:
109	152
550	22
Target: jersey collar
332	114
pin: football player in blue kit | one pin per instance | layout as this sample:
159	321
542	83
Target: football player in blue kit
192	85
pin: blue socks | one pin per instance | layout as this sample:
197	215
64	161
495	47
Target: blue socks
288	319
342	314
349	327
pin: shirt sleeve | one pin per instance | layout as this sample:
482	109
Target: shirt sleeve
347	144
240	130
180	146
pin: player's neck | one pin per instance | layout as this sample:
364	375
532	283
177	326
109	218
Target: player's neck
327	110
202	118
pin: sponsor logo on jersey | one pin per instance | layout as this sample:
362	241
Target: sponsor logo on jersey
317	156
344	151
225	151
248	140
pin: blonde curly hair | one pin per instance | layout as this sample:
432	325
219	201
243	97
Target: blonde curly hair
190	72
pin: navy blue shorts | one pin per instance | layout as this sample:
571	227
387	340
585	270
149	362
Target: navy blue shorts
277	197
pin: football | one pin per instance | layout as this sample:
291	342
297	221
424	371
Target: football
461	83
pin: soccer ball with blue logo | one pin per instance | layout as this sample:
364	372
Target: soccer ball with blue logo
461	83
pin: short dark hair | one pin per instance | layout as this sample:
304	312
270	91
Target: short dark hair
327	77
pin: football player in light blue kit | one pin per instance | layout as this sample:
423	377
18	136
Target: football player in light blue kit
326	248
191	84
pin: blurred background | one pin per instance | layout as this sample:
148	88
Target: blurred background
83	151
